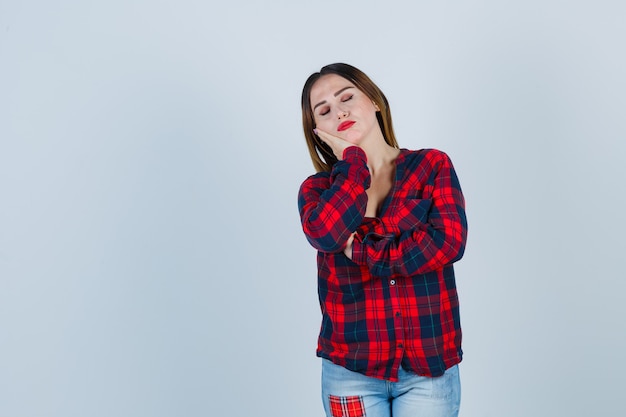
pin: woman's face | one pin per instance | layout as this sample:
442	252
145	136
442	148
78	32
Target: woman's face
341	109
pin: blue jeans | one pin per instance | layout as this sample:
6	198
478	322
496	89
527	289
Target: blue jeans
351	394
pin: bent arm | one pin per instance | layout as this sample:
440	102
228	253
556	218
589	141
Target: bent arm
332	206
435	239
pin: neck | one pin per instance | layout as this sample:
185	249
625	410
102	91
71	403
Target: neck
379	154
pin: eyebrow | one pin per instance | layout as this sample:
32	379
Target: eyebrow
336	94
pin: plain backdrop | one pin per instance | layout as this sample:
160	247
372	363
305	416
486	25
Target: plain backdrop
152	261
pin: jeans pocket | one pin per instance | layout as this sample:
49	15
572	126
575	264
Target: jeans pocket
444	386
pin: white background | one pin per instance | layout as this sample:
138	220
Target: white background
151	257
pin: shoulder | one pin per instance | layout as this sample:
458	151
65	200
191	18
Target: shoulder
429	156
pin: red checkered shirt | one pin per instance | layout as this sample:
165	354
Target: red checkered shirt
395	303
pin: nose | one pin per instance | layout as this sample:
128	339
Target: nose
342	113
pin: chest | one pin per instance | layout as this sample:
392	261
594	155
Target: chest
400	203
380	187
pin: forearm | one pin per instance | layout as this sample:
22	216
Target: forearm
332	208
430	232
412	252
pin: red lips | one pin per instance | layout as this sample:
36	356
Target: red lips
345	125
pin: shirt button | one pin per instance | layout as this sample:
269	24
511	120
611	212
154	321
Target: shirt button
398	314
392	282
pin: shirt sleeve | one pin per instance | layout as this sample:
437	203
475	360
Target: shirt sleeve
437	237
333	205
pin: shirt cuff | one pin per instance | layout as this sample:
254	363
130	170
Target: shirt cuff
353	153
359	253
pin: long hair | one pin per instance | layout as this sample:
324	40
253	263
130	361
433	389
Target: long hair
321	154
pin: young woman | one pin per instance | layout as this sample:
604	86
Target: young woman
388	224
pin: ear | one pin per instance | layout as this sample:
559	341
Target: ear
375	106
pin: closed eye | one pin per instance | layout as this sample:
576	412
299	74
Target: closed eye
326	109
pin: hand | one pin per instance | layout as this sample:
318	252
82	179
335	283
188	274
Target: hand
337	144
348	249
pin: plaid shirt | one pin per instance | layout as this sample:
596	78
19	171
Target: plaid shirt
395	302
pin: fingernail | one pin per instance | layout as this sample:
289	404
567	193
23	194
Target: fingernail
315	131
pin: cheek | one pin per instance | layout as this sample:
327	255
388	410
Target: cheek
323	124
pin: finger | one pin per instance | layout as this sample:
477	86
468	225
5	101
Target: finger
326	137
333	141
336	143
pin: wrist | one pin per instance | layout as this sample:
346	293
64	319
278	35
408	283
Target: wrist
353	152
